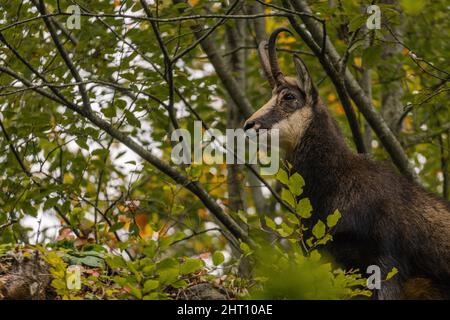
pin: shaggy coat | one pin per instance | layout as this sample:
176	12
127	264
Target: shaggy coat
387	219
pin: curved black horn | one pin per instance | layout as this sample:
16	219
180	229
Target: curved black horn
265	63
274	66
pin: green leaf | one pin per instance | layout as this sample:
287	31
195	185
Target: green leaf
132	120
218	258
115	262
148	269
100	152
180	284
296	184
292	218
371	56
333	219
304	208
120	280
191	266
325	239
109	111
413	7
357	22
315	255
168	276
285	230
245	248
392	273
81	142
319	229
134	229
242	216
282	176
196	171
50	203
59	284
94	262
90	261
287	196
270	223
150	249
135	292
167	263
150	285
152	296
116	226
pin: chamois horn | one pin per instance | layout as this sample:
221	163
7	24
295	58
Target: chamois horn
274	65
265	62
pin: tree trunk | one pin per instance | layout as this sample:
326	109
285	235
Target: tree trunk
235	38
392	90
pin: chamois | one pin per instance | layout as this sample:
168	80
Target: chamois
387	219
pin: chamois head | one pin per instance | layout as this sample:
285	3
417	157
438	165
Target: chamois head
291	108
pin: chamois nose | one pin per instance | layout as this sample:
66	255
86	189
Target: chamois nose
249	124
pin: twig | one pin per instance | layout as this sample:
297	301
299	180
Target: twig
62	51
10	223
196	233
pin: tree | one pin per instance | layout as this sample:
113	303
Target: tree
87	114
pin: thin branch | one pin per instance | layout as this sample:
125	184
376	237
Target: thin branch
195	234
278	50
303	14
68	34
62	51
227	79
14	151
168	65
207	33
30	67
6	225
413	140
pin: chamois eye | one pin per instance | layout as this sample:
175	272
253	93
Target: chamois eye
288	97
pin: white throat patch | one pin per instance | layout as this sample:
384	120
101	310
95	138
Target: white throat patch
293	128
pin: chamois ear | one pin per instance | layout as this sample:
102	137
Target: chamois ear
304	78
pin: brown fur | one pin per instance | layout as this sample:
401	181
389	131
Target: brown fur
387	219
421	289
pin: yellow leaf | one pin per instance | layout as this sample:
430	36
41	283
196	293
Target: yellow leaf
331	97
68	178
392	273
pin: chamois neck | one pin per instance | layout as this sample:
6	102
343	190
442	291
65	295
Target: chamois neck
322	149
